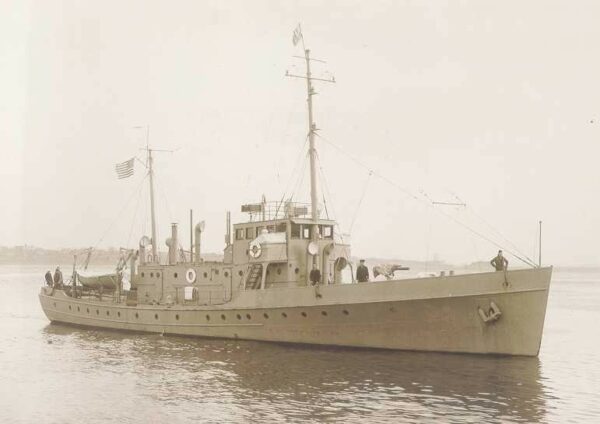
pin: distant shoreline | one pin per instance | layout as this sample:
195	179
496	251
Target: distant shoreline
31	255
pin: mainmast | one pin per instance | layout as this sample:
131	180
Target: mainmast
312	128
311	150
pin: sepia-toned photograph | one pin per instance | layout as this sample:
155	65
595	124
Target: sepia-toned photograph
299	211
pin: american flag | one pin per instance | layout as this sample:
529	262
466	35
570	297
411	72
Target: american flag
125	169
297	35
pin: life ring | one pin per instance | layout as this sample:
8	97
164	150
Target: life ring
190	275
255	249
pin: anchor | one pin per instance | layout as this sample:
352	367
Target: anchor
492	315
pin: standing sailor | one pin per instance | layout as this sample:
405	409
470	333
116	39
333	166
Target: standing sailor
315	275
499	262
362	272
58	278
48	278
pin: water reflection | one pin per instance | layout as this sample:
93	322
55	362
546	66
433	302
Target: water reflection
285	382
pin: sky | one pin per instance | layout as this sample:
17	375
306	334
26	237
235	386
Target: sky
496	104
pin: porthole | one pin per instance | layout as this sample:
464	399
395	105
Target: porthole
304	314
69	307
78	310
137	315
119	314
266	315
88	310
157	274
226	274
155	316
208	317
151	274
97	312
177	317
297	270
346	312
324	313
175	275
283	314
278	271
142	274
248	316
240	272
223	317
107	313
205	275
239	316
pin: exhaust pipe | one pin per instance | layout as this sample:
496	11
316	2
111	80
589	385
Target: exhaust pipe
197	236
173	245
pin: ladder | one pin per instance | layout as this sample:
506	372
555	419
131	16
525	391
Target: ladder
254	276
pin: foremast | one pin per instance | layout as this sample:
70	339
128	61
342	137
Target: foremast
150	167
152	213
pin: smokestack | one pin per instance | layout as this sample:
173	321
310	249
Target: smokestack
228	229
198	235
173	244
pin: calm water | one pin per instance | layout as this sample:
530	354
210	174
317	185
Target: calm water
57	374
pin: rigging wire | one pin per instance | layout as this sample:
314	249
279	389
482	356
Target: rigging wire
298	163
364	192
498	233
427	203
300	178
137	207
138	187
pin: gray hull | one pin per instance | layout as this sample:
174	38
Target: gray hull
444	314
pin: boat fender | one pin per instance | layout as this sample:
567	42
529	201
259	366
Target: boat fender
492	315
190	275
255	249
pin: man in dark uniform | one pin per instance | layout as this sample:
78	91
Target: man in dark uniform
48	277
58	278
362	272
499	262
315	275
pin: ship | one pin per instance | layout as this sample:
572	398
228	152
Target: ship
262	288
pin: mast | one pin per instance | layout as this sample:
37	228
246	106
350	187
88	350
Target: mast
312	151
540	247
152	216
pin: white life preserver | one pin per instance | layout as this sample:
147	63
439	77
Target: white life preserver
255	249
190	275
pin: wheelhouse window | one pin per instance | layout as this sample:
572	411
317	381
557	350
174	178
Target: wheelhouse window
306	230
259	231
296	230
281	227
239	234
327	231
249	233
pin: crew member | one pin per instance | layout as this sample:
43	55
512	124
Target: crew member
362	272
58	277
315	275
499	262
48	278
